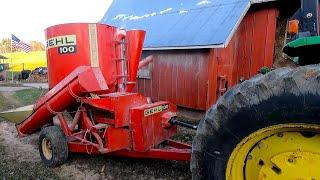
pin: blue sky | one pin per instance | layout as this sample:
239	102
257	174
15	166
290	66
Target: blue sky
27	19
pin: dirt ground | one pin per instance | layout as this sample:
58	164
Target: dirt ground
19	159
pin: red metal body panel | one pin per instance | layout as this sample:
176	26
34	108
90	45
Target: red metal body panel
147	129
141	139
192	78
119	104
61	97
118	139
166	154
93	67
96	45
134	50
80	148
66	63
180	153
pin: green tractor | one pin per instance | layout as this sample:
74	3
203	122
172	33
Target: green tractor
268	127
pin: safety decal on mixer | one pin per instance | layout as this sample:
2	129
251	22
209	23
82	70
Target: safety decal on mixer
66	44
157	109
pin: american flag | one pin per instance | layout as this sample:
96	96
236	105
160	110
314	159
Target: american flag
16	42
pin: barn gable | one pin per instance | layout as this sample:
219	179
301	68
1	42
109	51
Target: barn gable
180	24
200	48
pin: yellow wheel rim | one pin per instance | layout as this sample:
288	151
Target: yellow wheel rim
285	151
46	148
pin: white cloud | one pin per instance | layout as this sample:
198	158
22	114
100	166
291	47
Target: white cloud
165	11
203	2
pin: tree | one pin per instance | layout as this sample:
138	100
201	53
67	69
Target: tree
5	46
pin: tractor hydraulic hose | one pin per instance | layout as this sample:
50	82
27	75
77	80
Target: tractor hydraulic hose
174	121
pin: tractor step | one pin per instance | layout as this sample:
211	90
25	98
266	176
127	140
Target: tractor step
305	48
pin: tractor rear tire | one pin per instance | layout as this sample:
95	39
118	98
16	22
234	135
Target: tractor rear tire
53	147
283	96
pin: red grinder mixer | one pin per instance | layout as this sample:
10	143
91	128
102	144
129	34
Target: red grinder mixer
91	108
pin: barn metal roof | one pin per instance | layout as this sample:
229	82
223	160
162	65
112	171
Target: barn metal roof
180	24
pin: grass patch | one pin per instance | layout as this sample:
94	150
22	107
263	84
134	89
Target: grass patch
29	96
5	104
2	102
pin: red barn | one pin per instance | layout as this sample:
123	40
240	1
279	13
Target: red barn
203	48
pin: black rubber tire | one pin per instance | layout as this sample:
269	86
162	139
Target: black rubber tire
58	144
284	95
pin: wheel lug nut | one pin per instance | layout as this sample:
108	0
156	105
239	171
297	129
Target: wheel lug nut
290	160
260	145
280	134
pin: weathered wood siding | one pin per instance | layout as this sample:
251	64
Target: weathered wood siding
179	76
251	48
192	78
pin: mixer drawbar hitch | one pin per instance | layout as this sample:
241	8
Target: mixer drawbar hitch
175	121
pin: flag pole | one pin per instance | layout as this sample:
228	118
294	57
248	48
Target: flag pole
11	60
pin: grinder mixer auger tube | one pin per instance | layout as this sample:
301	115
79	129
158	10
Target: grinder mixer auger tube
92	71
